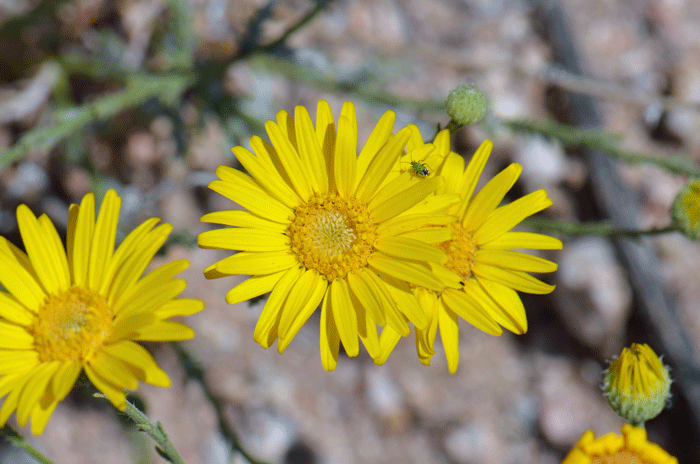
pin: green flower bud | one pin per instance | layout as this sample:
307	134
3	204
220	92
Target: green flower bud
685	211
466	104
637	384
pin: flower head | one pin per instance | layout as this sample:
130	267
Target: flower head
482	270
83	308
324	226
630	448
685	211
637	384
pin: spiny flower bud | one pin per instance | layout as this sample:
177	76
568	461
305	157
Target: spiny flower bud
637	384
685	211
466	104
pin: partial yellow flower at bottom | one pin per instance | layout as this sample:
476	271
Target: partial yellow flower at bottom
630	448
83	308
480	259
323	226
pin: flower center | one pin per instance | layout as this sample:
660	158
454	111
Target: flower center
461	251
333	235
621	457
72	325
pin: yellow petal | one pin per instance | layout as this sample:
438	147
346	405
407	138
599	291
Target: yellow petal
344	316
164	331
139	362
449	334
524	240
345	161
132	257
114	393
407	248
242	218
380	291
268	322
252	287
517	280
376	141
18	280
14	337
466	307
103	238
515	260
367	297
512	312
310	150
144	288
290	160
387	342
508	216
409	222
406	301
243	239
271	182
13	311
302	301
402	270
17	361
405	199
64	380
79	237
34	389
253	263
489	197
37	243
325	132
381	164
179	307
241	189
329	338
470	176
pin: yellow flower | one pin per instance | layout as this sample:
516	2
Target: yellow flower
630	448
637	385
83	310
480	260
323	226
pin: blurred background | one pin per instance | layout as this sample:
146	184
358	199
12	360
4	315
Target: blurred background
148	97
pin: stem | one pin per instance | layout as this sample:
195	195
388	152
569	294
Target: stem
602	141
155	431
195	371
139	89
603	228
17	440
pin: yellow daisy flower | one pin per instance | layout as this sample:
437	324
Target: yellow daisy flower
481	259
83	309
630	448
323	226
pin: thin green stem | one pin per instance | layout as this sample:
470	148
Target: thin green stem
17	440
311	14
155	431
313	77
195	372
602	141
603	228
139	89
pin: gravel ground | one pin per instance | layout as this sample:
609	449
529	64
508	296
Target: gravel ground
515	399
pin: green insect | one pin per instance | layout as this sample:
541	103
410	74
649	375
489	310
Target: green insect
420	169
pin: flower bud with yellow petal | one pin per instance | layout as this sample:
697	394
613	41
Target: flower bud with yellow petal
685	211
637	384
